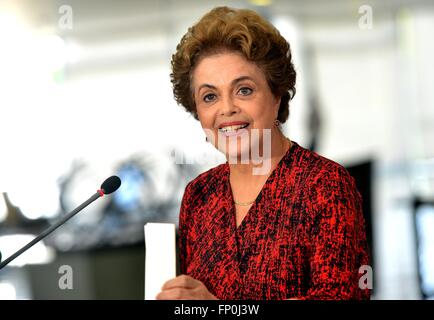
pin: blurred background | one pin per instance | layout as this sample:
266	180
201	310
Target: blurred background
85	93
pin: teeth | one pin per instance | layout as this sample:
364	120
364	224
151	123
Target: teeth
233	128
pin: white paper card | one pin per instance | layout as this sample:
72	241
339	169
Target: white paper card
160	261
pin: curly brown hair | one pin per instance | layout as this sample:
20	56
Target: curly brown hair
243	31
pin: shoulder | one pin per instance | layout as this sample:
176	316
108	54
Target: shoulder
318	170
321	183
206	180
329	193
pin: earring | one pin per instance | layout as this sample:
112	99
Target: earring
276	123
206	138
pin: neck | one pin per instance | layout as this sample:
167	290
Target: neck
279	146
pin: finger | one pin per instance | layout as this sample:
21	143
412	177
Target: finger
174	294
182	281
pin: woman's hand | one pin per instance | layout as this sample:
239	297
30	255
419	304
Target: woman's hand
184	288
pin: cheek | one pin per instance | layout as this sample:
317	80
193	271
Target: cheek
263	117
206	118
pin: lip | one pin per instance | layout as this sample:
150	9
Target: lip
232	123
238	132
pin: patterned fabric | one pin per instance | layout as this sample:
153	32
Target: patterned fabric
304	237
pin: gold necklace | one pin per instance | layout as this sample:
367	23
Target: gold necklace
244	203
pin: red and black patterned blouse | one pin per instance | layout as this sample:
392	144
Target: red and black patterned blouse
304	237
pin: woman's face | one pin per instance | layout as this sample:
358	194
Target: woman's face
233	99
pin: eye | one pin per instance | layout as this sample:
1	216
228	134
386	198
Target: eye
209	97
245	91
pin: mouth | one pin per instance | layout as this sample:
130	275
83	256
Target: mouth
232	128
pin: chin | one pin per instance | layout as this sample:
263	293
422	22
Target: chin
237	152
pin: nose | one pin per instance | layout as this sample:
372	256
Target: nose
229	107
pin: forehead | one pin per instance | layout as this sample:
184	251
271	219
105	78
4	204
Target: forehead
223	68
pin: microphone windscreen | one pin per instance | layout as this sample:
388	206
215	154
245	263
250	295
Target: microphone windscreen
111	184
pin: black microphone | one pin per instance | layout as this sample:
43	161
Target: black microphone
110	185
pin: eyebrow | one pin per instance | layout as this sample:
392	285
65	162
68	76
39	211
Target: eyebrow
233	82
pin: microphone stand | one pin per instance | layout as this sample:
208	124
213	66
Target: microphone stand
50	229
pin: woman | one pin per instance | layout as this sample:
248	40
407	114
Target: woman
292	231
